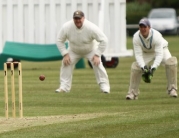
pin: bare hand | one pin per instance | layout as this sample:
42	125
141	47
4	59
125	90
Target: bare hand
66	60
96	60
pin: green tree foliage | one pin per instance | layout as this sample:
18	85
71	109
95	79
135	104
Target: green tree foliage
165	3
158	3
135	11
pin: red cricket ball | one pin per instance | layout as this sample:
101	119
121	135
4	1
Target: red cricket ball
42	77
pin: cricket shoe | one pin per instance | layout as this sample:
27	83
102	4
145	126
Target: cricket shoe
59	90
131	96
173	92
106	92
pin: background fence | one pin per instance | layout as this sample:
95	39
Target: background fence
38	21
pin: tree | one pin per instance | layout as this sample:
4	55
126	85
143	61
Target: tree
165	3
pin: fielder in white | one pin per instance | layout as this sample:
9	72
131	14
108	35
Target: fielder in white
150	46
85	39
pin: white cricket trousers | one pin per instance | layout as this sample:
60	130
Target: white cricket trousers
66	72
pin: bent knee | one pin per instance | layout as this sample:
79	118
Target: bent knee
171	61
135	66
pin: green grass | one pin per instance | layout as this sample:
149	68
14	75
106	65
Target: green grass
87	112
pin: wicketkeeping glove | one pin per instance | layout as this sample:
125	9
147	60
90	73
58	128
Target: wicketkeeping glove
145	69
147	74
152	70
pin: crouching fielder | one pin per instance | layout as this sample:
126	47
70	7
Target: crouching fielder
151	47
86	40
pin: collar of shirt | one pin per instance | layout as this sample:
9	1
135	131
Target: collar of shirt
147	42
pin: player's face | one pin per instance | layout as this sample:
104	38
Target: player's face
144	30
78	22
